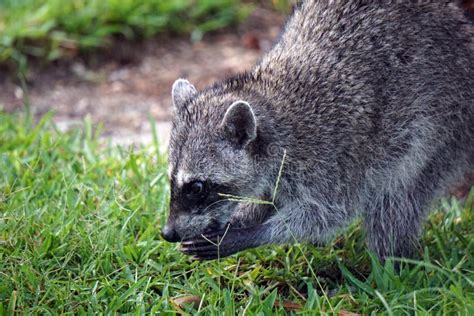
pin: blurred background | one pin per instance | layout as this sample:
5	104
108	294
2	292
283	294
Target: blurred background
116	60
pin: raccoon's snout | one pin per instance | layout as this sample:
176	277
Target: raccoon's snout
170	234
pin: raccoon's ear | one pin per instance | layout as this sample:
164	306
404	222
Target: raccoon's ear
182	90
240	124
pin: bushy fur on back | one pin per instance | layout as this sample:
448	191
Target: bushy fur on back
374	105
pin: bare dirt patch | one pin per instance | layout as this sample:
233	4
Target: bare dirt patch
120	88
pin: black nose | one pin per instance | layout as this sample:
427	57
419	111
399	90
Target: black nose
170	234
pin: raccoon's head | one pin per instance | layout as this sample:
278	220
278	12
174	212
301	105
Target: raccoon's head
212	153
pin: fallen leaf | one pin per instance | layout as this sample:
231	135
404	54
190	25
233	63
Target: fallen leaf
289	305
347	313
180	302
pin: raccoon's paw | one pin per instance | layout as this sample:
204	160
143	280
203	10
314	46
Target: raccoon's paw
210	246
224	243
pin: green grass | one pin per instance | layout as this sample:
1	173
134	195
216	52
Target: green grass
79	233
53	28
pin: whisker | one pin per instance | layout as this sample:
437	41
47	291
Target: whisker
212	204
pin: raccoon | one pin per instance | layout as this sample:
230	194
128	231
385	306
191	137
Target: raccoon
358	111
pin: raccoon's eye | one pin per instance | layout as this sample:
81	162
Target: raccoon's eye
196	190
197	187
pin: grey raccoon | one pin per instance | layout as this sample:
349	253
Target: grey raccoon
374	107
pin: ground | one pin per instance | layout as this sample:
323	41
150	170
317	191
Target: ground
120	90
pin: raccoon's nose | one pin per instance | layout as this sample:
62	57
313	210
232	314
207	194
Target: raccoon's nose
170	234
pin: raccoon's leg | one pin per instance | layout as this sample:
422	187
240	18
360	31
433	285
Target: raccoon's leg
393	219
295	222
286	226
393	223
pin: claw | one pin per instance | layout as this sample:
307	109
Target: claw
197	242
204	240
187	251
202	250
197	247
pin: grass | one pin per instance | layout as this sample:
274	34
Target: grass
51	29
79	234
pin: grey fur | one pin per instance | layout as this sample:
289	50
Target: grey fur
240	124
181	91
374	105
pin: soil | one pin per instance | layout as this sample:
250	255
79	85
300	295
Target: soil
121	87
